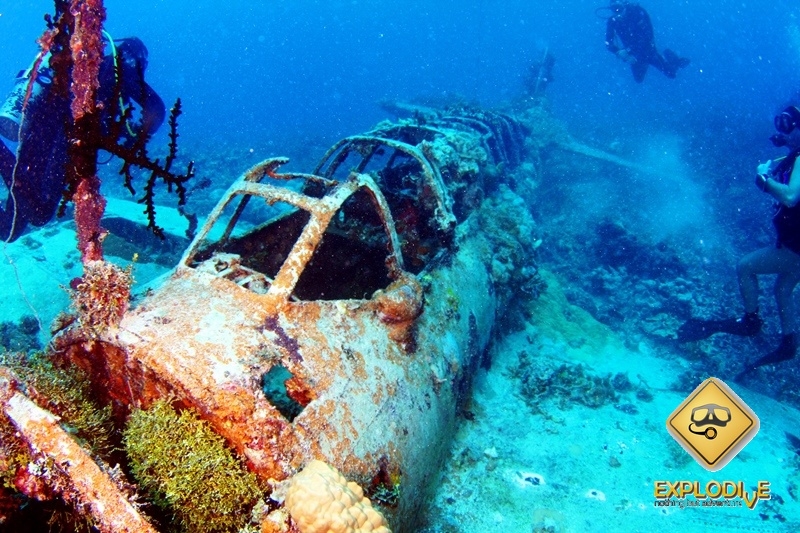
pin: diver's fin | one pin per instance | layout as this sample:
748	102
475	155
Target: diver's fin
785	351
674	61
695	329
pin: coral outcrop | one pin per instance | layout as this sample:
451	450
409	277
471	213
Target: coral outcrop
321	500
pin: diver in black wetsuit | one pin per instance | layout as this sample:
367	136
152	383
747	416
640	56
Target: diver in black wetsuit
629	36
781	180
36	172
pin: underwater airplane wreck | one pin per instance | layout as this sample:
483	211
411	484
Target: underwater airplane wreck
323	327
304	366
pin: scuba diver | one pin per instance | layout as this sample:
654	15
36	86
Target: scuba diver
781	180
540	75
629	36
34	176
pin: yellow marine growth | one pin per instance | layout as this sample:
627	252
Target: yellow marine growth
13	456
186	469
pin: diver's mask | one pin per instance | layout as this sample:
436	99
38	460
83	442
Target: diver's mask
785	122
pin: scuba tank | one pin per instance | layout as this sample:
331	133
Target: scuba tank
11	110
12	107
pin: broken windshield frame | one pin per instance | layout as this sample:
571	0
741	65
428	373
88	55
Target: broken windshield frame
305	220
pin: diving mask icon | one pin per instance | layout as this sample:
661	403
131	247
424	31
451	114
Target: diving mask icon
712	424
712	415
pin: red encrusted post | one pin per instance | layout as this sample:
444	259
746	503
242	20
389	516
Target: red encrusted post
86	45
89	207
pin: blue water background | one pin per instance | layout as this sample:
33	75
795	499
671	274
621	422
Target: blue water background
270	75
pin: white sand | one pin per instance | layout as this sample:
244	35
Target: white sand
37	268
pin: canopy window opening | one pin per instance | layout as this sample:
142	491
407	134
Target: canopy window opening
244	248
351	260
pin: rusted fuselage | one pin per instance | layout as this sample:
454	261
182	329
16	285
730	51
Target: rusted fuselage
338	315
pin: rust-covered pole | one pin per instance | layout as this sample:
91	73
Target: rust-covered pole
86	50
75	43
77	50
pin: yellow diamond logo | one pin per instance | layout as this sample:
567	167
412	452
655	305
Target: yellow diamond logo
713	424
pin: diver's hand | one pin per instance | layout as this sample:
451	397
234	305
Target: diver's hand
764	168
626	56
